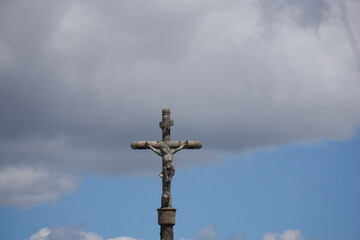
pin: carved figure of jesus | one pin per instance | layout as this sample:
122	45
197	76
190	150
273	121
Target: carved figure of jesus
168	169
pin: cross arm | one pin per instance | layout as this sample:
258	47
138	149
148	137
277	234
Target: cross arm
171	144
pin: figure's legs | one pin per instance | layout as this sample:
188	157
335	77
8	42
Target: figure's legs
167	187
166	197
167	173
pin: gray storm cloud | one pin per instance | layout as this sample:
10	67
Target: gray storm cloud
80	80
349	32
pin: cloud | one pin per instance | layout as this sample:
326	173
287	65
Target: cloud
69	233
209	233
307	13
122	238
80	80
42	234
349	32
286	235
26	186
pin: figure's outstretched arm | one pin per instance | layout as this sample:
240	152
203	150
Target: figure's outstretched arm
179	148
153	149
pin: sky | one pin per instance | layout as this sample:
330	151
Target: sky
271	88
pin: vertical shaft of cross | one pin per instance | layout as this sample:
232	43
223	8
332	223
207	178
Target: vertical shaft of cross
165	124
166	210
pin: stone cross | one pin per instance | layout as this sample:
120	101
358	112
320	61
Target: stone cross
166	214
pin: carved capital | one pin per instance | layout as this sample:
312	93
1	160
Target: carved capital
166	216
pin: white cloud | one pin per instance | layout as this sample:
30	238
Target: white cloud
123	238
27	186
209	233
42	234
286	235
89	236
70	233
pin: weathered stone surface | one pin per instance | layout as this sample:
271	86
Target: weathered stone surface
166	232
166	214
163	149
171	144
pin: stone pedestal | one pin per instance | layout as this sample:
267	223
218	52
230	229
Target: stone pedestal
166	220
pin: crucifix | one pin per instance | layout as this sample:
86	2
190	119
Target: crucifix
166	214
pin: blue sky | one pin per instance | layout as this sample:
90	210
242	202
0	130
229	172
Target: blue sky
313	188
271	89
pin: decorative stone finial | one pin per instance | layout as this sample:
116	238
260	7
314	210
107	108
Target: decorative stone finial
166	110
